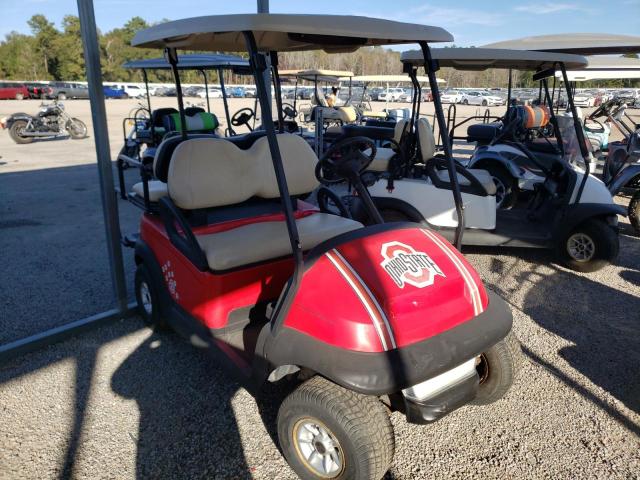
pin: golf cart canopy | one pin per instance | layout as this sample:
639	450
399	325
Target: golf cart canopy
484	58
390	79
577	43
285	32
601	68
193	62
319	75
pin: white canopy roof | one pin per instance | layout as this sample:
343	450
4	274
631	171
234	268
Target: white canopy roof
602	68
484	58
390	79
281	32
578	43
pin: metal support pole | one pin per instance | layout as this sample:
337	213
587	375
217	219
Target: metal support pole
225	102
263	7
101	135
206	88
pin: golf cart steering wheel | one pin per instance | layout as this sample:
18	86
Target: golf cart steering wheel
289	111
242	117
604	110
329	201
345	160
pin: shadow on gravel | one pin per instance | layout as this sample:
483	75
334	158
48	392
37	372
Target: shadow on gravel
599	320
187	426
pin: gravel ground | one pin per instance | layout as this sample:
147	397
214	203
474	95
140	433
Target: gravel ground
124	402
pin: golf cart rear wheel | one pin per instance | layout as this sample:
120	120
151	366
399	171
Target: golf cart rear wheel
326	431
148	299
497	367
506	186
634	211
15	132
590	246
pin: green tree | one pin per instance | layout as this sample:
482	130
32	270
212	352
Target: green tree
45	34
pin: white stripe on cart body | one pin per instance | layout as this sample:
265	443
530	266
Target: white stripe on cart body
466	275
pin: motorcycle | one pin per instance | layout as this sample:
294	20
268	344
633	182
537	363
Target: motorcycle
52	121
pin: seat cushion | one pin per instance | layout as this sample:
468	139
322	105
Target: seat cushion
157	190
258	242
483	177
381	161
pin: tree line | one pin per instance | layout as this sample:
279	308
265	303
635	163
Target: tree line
52	53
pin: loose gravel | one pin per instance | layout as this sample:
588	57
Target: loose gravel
124	402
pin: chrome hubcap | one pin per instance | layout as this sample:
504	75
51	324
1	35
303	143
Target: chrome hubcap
145	296
500	190
581	247
318	449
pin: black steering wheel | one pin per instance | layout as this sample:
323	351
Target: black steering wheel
289	111
329	202
345	160
243	117
605	109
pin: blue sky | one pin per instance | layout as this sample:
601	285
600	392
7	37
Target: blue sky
471	22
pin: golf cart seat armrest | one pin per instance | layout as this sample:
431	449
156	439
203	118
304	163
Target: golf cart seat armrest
471	181
184	239
374	133
483	133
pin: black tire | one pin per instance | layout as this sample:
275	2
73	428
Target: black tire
16	129
634	211
62	96
125	96
465	102
76	129
506	183
358	424
595	240
19	96
148	299
484	103
497	369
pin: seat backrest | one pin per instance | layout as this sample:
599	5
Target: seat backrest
213	172
199	122
347	114
157	116
533	117
426	140
191	111
400	128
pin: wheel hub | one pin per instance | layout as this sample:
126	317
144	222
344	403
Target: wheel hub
145	296
581	247
318	449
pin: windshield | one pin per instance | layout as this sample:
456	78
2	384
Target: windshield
572	152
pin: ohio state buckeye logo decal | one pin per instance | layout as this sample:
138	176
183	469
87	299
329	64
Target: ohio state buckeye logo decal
406	265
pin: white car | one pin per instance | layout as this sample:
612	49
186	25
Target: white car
213	93
584	100
481	98
391	94
451	96
132	91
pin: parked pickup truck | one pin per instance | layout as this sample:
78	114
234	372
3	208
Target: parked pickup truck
64	90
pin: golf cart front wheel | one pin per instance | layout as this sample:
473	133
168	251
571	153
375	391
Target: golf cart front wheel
590	246
634	211
326	431
148	299
497	367
506	186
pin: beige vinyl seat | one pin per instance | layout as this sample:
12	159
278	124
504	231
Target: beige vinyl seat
213	172
157	190
427	145
385	154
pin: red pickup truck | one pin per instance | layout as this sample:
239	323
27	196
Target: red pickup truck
13	90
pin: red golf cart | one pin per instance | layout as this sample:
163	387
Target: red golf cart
367	319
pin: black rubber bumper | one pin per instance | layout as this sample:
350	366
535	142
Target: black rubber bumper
389	372
434	408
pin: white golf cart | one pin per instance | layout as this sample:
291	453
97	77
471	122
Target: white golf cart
570	211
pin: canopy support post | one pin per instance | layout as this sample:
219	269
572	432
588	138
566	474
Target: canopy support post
431	68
